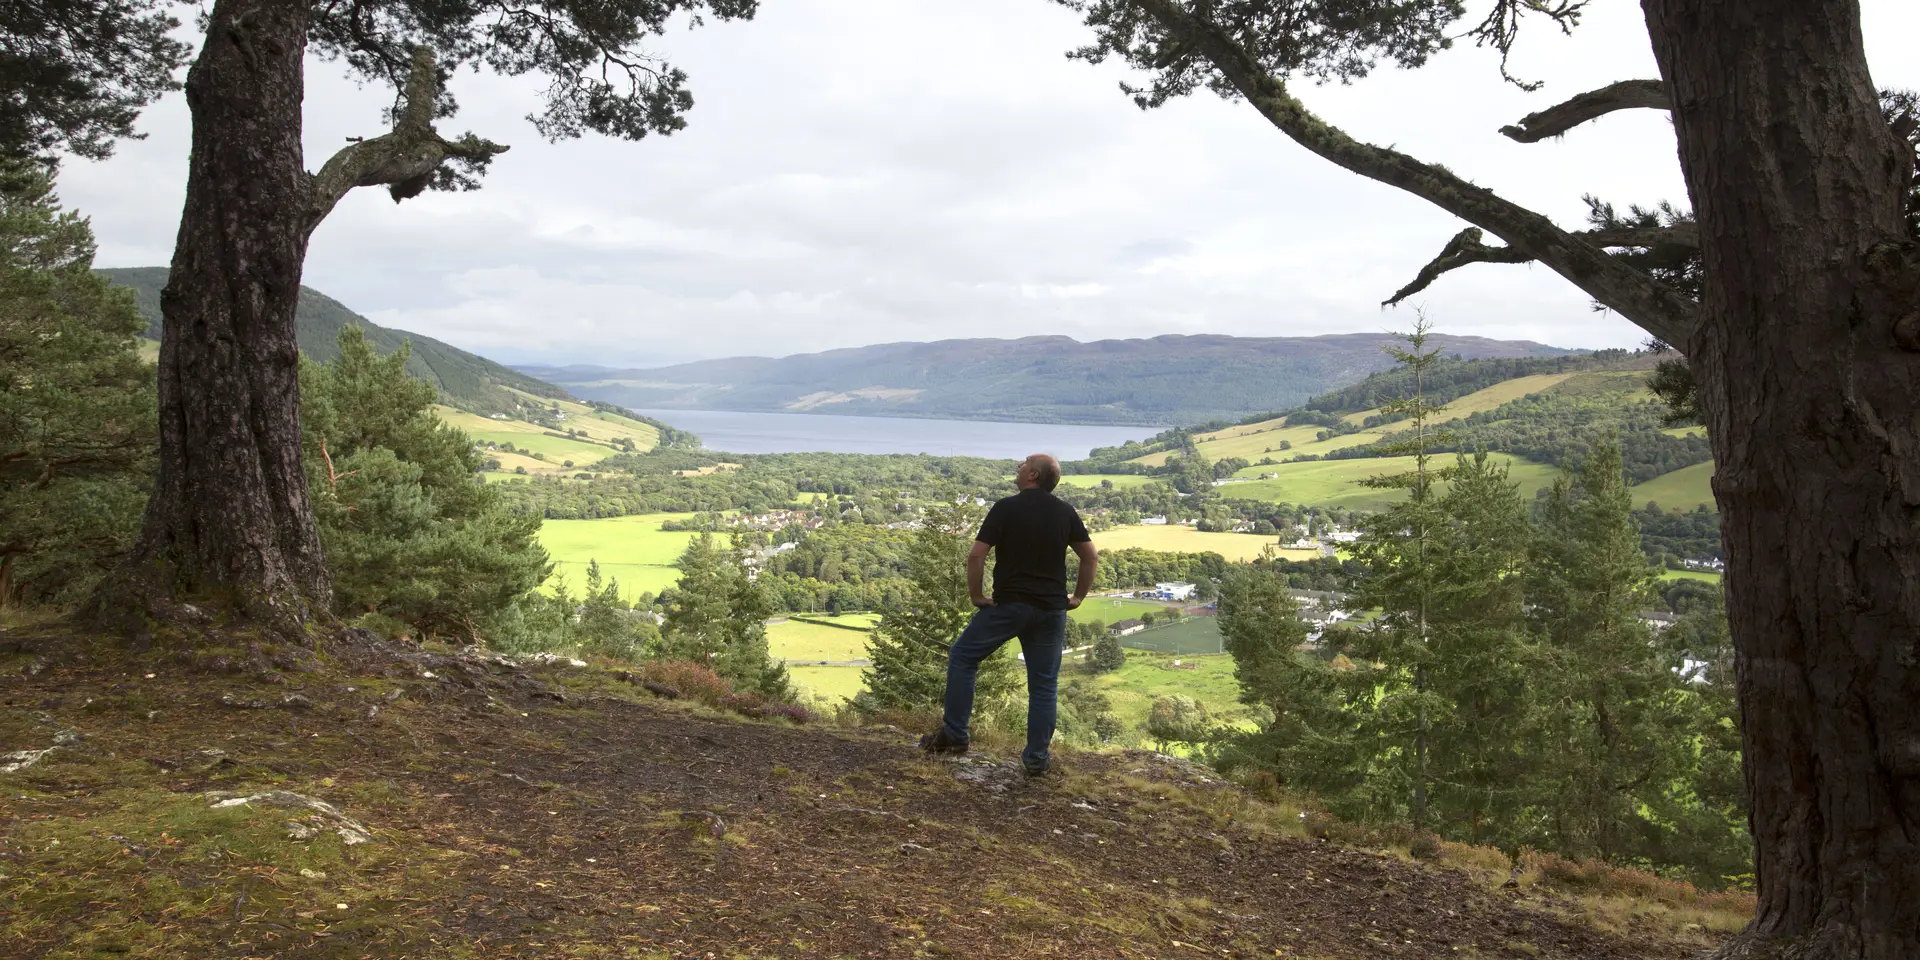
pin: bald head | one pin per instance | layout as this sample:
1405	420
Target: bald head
1040	471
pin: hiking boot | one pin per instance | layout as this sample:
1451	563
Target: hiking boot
1034	772
938	742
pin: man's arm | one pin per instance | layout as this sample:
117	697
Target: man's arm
1089	558
977	574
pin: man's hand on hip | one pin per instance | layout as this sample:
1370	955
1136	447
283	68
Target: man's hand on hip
1073	603
983	602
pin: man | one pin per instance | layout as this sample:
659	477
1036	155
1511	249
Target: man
1030	532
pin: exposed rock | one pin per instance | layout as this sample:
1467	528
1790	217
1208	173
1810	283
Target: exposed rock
321	815
292	701
998	776
22	759
63	737
660	690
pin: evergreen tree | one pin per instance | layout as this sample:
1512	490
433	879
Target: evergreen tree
1480	661
606	624
908	650
716	616
1391	700
77	72
1702	818
1305	737
1613	732
411	534
76	403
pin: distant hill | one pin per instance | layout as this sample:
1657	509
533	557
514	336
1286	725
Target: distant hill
1538	416
465	380
1161	381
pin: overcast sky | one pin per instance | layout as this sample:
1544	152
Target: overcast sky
863	171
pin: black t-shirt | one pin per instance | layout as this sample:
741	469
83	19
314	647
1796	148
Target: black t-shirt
1030	532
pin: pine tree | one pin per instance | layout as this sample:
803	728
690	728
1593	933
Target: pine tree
76	404
908	650
1480	660
1612	732
716	615
606	625
1108	654
1305	739
411	534
1391	700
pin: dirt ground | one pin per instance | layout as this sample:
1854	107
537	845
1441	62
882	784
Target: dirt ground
560	812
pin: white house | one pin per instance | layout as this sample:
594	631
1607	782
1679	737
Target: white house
1174	591
1155	521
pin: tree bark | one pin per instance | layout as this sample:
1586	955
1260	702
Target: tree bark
1811	400
229	518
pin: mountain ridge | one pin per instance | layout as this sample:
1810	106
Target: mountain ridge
465	380
1162	380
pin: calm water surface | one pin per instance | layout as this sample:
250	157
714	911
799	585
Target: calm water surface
735	432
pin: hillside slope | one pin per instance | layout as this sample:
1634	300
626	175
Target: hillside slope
1163	380
466	380
547	812
1540	415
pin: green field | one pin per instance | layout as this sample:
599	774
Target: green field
1123	481
1693	431
1336	483
1262	441
832	684
1112	610
1683	489
633	550
1504	392
794	640
1173	538
1705	575
598	424
1132	688
1193	636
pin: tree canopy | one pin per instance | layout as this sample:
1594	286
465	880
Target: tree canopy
75	73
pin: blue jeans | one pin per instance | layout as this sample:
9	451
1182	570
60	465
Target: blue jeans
1043	634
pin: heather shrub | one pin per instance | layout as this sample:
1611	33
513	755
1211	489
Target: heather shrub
694	681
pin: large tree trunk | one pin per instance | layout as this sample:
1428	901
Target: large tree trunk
1810	380
229	518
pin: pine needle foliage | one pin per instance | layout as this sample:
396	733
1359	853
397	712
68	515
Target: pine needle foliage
77	424
908	650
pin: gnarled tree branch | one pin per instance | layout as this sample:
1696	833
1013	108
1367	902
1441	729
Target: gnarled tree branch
1468	247
1558	119
404	160
1652	306
1679	235
1465	248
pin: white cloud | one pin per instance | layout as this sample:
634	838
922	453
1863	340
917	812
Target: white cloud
860	171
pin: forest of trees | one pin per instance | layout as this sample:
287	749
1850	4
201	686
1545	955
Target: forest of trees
1509	691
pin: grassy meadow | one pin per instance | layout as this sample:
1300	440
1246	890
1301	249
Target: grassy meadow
1683	489
1707	576
797	640
602	433
1337	483
1132	688
1122	481
1113	610
1173	538
832	684
1262	440
632	549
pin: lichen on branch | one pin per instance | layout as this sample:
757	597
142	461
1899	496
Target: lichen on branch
409	158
